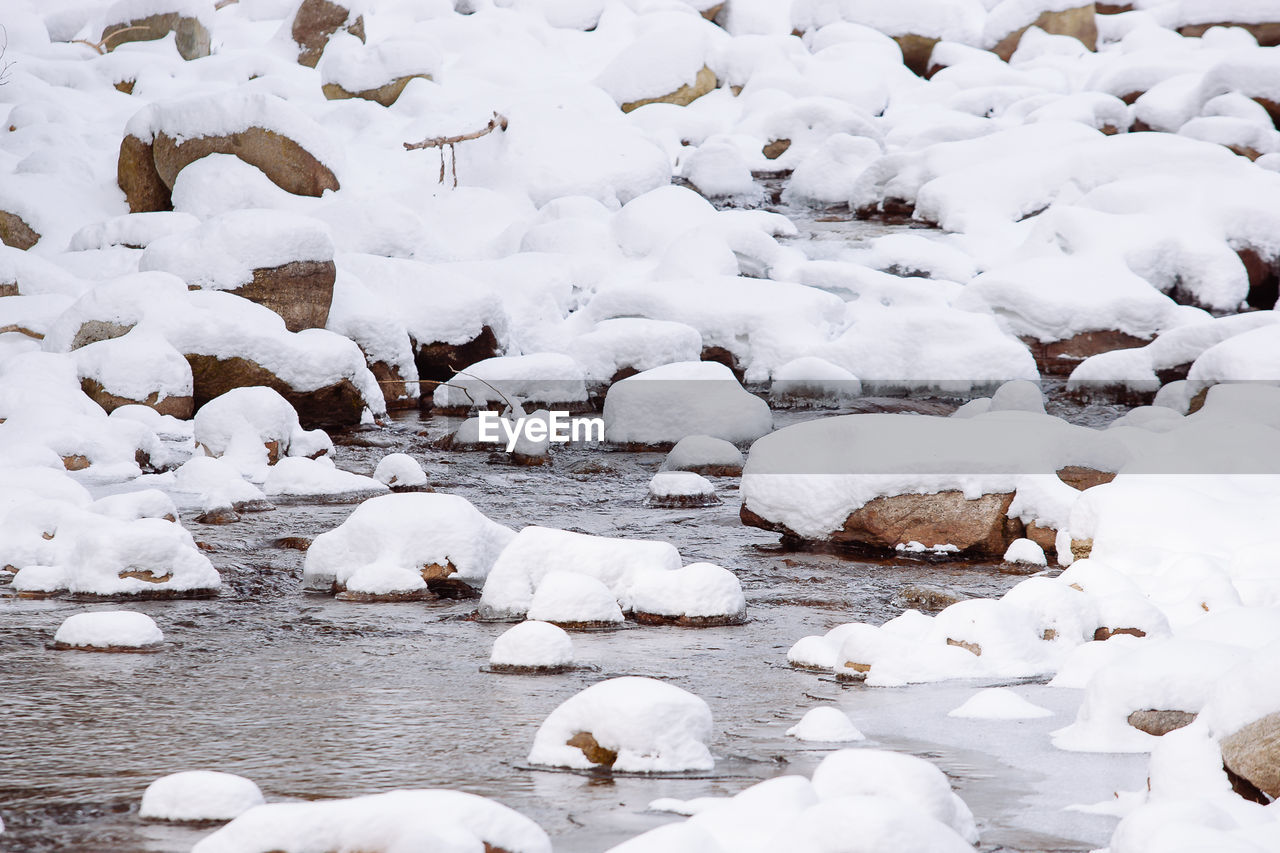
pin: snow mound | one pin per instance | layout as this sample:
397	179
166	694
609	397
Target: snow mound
108	629
698	594
573	599
400	471
300	477
999	703
812	381
255	427
439	820
826	724
668	403
533	646
681	489
199	795
704	454
634	725
425	536
1025	551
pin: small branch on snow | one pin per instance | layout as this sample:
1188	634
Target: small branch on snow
498	122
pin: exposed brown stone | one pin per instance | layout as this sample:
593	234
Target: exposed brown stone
775	149
1080	477
1264	278
711	470
711	11
299	291
289	166
439	361
93	331
1160	723
594	752
1059	358
1253	753
8	288
15	232
179	407
395	390
703	83
218	515
723	356
190	36
292	543
136	174
386	94
1079	23
643	618
529	670
125	86
1114	8
1107	633
147	575
334	405
371	598
1272	108
435	571
971	648
75	462
916	51
1081	548
1045	537
930	598
315	23
1049	635
68	647
1267	34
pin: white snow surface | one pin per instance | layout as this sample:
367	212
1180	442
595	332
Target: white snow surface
654	727
999	703
669	403
700	451
667	484
826	724
533	644
104	628
573	597
699	590
199	795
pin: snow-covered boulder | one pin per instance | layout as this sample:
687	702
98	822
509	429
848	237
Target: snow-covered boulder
681	489
536	552
277	259
574	600
255	427
199	795
700	594
1025	551
812	381
316	21
1008	20
631	725
108	631
299	478
998	703
663	66
409	541
261	129
1243	712
668	403
148	20
532	647
553	380
137	368
623	346
381	823
705	455
379	73
400	472
826	724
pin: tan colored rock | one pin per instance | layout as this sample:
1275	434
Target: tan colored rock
775	149
289	166
1253	753
711	11
591	748
299	291
75	462
1045	537
1081	548
682	97
179	407
931	598
8	288
1107	633
136	174
93	331
1080	477
1160	723
916	51
146	575
978	527
971	648
314	24
1059	358
1079	23
386	94
15	232
336	405
1267	34
191	36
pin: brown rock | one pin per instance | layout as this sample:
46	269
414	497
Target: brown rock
8	288
1114	8
689	621
292	543
1107	633
394	387
711	11
1081	548
1045	537
191	36
1253	753
681	501
932	598
439	361
15	232
136	174
75	462
972	648
315	23
916	51
1079	23
435	571
336	405
775	149
68	647
289	166
371	598
1160	723
219	515
703	83
386	94
1080	477
180	407
125	86
1267	34
1059	358
594	752
299	291
92	331
147	575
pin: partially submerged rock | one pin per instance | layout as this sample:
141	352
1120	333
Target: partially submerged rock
681	490
700	595
532	648
199	795
109	631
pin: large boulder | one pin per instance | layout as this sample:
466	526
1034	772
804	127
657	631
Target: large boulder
262	130
275	259
1253	753
314	24
1010	19
14	231
667	66
186	19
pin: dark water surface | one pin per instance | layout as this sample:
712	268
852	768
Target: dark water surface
312	697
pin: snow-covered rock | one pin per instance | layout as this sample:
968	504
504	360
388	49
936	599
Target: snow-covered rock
400	472
668	403
631	725
108	631
199	795
826	724
532	647
677	489
998	703
706	455
700	594
574	600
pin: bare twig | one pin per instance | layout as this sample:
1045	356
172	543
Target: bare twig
4	46
498	122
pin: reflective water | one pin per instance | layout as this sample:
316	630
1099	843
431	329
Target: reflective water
313	697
